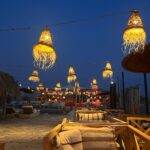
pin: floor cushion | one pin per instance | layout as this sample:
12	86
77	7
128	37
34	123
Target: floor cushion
69	140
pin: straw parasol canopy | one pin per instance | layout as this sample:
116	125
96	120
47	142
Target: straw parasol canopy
8	86
138	62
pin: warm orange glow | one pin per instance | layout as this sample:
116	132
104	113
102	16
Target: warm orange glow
94	84
94	81
134	35
107	73
71	75
43	52
34	76
58	87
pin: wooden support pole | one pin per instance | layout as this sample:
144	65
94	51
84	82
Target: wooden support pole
146	95
123	93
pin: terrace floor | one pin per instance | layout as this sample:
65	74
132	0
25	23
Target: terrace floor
27	134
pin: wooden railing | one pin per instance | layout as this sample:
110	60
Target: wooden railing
138	123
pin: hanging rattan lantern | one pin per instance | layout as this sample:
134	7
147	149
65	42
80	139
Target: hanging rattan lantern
107	72
58	87
94	84
34	76
43	52
134	37
71	75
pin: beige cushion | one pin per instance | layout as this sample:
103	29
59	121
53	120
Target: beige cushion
91	116
97	134
69	140
98	138
86	116
77	126
100	116
77	146
99	145
81	116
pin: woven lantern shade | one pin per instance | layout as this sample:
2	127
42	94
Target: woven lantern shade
58	87
138	62
134	37
107	72
43	52
71	75
94	84
34	76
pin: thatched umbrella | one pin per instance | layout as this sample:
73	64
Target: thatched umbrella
8	86
140	63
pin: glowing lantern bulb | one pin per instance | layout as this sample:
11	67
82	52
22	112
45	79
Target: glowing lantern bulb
134	37
71	75
94	81
34	76
94	84
107	73
58	87
43	52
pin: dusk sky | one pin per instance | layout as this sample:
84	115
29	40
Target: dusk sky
95	38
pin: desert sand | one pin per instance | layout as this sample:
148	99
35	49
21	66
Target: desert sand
27	134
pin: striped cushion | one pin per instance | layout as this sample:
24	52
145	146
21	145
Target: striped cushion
97	134
99	145
91	116
98	138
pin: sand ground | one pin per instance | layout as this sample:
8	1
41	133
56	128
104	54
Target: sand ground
27	134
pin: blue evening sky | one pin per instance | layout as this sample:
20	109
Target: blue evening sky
85	45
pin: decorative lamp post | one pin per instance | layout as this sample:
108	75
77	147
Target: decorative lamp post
107	72
34	77
134	37
71	75
43	52
76	87
94	87
77	91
